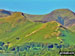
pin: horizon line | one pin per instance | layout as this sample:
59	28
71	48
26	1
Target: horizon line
37	14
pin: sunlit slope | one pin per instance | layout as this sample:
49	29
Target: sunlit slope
33	32
46	33
10	24
18	29
14	20
15	26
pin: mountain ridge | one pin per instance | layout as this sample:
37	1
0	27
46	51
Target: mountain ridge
19	32
63	16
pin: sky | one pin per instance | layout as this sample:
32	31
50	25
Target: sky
38	7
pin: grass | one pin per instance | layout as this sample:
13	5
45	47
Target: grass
16	26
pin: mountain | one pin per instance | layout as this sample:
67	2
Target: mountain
4	13
67	15
53	31
18	21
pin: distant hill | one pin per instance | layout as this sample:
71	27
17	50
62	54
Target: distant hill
4	13
64	16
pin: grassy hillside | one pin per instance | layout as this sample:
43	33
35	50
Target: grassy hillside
20	35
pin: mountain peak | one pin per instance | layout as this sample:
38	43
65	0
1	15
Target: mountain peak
4	13
62	10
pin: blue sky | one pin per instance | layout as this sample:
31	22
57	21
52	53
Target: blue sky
37	6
